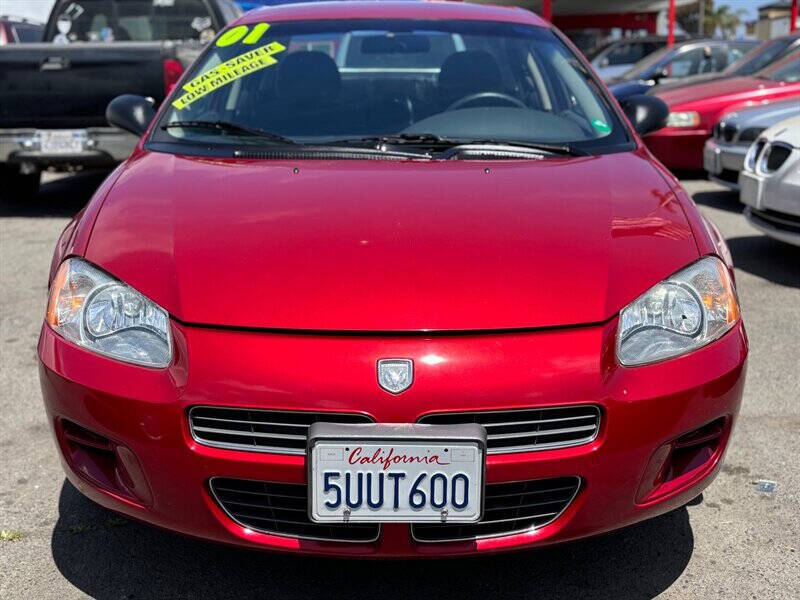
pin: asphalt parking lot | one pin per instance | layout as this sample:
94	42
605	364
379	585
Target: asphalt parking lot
737	540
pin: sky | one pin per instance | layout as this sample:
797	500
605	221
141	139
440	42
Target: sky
40	9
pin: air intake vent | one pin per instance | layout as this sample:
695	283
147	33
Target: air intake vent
282	509
778	220
729	132
530	429
774	157
281	432
509	508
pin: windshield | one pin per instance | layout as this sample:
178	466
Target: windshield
313	82
645	67
788	70
594	52
758	58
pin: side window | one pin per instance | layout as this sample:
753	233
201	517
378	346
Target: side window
734	54
721	57
651	47
692	62
626	54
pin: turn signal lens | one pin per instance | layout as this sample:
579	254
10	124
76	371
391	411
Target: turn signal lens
683	313
104	315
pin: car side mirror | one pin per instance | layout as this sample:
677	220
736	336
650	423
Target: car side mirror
604	62
131	113
646	113
659	75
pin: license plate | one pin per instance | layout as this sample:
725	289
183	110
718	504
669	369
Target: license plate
62	141
396	480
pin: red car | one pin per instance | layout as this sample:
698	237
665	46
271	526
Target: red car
391	279
695	109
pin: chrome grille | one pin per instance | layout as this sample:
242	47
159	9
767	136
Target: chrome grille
282	432
529	429
508	508
282	509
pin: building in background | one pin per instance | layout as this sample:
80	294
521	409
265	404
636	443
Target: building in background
774	20
591	22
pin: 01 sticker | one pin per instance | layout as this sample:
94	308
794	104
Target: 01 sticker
227	72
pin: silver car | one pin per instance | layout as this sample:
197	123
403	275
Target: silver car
615	58
724	152
770	182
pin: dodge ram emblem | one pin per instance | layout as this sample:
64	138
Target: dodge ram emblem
395	374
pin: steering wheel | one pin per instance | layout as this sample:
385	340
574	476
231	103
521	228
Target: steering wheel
487	96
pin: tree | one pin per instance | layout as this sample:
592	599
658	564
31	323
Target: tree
724	19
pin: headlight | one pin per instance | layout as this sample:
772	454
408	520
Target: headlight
683	119
683	313
101	314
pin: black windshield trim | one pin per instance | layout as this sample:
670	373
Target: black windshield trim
274	152
281	152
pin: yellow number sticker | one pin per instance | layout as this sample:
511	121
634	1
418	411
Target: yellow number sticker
234	34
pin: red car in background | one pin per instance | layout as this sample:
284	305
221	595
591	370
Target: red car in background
421	292
694	110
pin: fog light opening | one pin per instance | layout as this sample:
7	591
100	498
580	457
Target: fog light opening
103	463
676	464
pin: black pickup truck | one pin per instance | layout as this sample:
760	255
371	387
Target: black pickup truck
53	95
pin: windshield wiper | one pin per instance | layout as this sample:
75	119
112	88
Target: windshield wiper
410	139
553	148
232	128
432	140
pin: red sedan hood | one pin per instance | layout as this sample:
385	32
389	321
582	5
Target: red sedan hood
382	246
726	90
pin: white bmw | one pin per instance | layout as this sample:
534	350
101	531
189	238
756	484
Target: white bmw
770	182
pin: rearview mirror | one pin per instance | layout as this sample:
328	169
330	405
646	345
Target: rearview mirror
131	113
646	113
403	43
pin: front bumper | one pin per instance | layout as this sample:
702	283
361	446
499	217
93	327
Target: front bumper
677	148
145	411
773	200
723	162
102	147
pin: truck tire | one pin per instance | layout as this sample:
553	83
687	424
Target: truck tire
15	186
